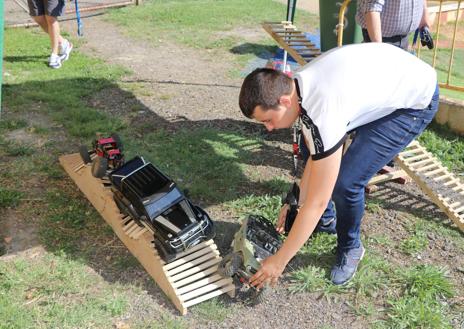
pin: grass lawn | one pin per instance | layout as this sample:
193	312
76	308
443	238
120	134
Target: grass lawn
85	278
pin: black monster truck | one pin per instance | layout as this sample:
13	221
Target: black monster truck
144	193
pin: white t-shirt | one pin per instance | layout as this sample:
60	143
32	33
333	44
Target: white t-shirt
353	85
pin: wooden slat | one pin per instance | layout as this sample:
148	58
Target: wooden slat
195	277
434	172
283	41
199	283
204	257
444	182
185	259
195	269
205	289
209	296
193	263
420	163
416	157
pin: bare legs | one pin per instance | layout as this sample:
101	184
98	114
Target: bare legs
51	26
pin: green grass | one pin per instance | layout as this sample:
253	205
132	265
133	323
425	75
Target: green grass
207	162
445	145
55	292
441	66
264	205
212	310
9	198
31	83
417	241
199	23
310	278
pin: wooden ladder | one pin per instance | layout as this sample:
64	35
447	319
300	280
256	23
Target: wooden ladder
190	279
292	40
444	188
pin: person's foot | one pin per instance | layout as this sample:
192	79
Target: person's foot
65	50
54	61
327	225
346	265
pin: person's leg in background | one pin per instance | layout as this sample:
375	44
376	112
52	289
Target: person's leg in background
373	146
45	13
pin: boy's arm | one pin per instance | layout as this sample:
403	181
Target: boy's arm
318	182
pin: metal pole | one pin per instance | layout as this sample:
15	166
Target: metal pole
291	4
2	15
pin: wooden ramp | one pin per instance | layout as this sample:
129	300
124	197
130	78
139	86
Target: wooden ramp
189	280
443	187
292	40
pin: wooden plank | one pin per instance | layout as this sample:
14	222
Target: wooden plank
415	158
209	296
420	163
142	247
195	248
195	277
446	176
185	259
451	182
387	177
460	209
282	41
444	180
433	165
205	289
200	283
193	263
434	172
195	269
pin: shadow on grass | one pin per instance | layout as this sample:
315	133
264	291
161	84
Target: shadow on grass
391	197
212	158
259	50
25	59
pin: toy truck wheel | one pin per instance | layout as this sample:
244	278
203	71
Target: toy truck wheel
99	167
118	141
163	253
84	154
121	206
230	264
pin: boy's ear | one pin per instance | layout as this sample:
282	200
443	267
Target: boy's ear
285	100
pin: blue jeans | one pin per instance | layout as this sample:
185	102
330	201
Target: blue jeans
373	146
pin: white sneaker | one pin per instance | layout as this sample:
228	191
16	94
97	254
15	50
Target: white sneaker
65	50
54	61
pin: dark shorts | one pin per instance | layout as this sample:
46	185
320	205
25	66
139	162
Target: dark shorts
53	8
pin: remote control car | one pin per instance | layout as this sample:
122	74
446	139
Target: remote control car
144	193
256	240
109	156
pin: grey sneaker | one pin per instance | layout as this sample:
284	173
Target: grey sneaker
65	50
346	265
54	61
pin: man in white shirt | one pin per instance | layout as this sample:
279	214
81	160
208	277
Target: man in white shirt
383	94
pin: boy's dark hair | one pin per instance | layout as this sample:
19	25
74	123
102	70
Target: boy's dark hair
263	87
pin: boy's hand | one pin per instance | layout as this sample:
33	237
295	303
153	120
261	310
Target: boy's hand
269	273
280	226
